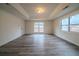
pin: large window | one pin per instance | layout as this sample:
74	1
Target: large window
74	23
65	24
38	27
71	23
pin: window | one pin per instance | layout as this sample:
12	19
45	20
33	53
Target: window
65	24
74	23
38	27
71	23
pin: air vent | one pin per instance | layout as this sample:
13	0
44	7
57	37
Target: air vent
66	7
7	3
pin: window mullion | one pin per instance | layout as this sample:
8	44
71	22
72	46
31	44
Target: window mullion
38	27
69	24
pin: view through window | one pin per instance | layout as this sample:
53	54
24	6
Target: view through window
71	23
74	23
65	24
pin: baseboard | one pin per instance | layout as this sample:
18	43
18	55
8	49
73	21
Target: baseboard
11	40
39	33
67	41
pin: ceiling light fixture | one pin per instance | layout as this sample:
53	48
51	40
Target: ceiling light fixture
40	10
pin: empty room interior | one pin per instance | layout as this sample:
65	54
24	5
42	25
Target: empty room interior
39	29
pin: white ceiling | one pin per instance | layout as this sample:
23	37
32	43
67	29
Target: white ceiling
27	10
30	9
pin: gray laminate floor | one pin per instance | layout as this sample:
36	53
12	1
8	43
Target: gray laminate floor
39	45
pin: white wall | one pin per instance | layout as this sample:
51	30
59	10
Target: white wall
11	27
72	37
48	29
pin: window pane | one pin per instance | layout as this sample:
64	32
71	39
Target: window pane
36	26
36	23
74	19
74	23
65	28
41	23
74	28
41	30
35	30
64	24
65	21
39	27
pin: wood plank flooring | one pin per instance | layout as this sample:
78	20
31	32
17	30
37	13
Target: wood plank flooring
39	45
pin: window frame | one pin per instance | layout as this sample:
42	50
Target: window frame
39	28
73	24
69	24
